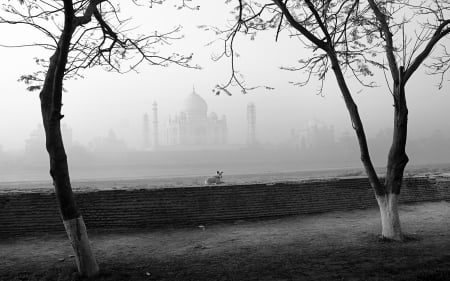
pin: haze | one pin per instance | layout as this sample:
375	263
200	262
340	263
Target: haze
104	102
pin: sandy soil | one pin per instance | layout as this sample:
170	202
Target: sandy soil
331	246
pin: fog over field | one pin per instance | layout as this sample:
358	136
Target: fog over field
295	128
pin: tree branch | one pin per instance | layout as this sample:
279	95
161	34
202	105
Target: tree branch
440	32
87	16
381	17
294	23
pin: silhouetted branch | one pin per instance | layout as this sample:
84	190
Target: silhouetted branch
100	36
323	27
433	19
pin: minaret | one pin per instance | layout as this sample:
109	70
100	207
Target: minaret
145	132
155	125
251	124
224	129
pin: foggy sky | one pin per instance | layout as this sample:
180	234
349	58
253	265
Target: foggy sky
103	101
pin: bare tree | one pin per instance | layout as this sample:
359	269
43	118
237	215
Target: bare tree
404	56
345	36
80	34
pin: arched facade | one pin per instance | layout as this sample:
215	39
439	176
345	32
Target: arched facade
193	126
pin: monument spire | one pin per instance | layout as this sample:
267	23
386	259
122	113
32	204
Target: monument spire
155	125
146	132
251	124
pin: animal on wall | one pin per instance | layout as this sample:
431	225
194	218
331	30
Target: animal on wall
216	179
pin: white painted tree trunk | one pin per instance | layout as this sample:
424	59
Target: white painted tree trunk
84	258
390	220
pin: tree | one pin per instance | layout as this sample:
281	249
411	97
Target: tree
345	36
404	58
79	35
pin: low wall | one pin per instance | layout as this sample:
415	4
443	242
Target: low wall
37	212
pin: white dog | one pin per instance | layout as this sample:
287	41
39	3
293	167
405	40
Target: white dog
216	179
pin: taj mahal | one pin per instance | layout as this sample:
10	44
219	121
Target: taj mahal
191	128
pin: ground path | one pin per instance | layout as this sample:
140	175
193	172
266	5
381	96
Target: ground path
330	246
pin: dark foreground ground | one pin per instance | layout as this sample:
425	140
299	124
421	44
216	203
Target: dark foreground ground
331	246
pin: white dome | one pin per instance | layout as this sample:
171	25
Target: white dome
213	116
316	123
195	105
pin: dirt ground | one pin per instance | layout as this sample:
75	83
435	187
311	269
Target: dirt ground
330	246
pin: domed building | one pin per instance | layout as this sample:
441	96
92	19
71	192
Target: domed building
193	126
317	135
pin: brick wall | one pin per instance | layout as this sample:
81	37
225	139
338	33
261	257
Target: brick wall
37	212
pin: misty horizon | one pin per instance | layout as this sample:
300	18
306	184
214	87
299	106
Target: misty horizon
102	106
129	131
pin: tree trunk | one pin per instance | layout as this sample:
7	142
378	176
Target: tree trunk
397	161
390	220
357	126
59	172
72	219
51	102
84	258
387	194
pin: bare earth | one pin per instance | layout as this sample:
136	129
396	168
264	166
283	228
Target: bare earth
331	246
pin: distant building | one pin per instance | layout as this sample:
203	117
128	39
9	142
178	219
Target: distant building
35	151
155	134
145	132
36	139
251	124
193	126
35	146
317	135
150	137
109	144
